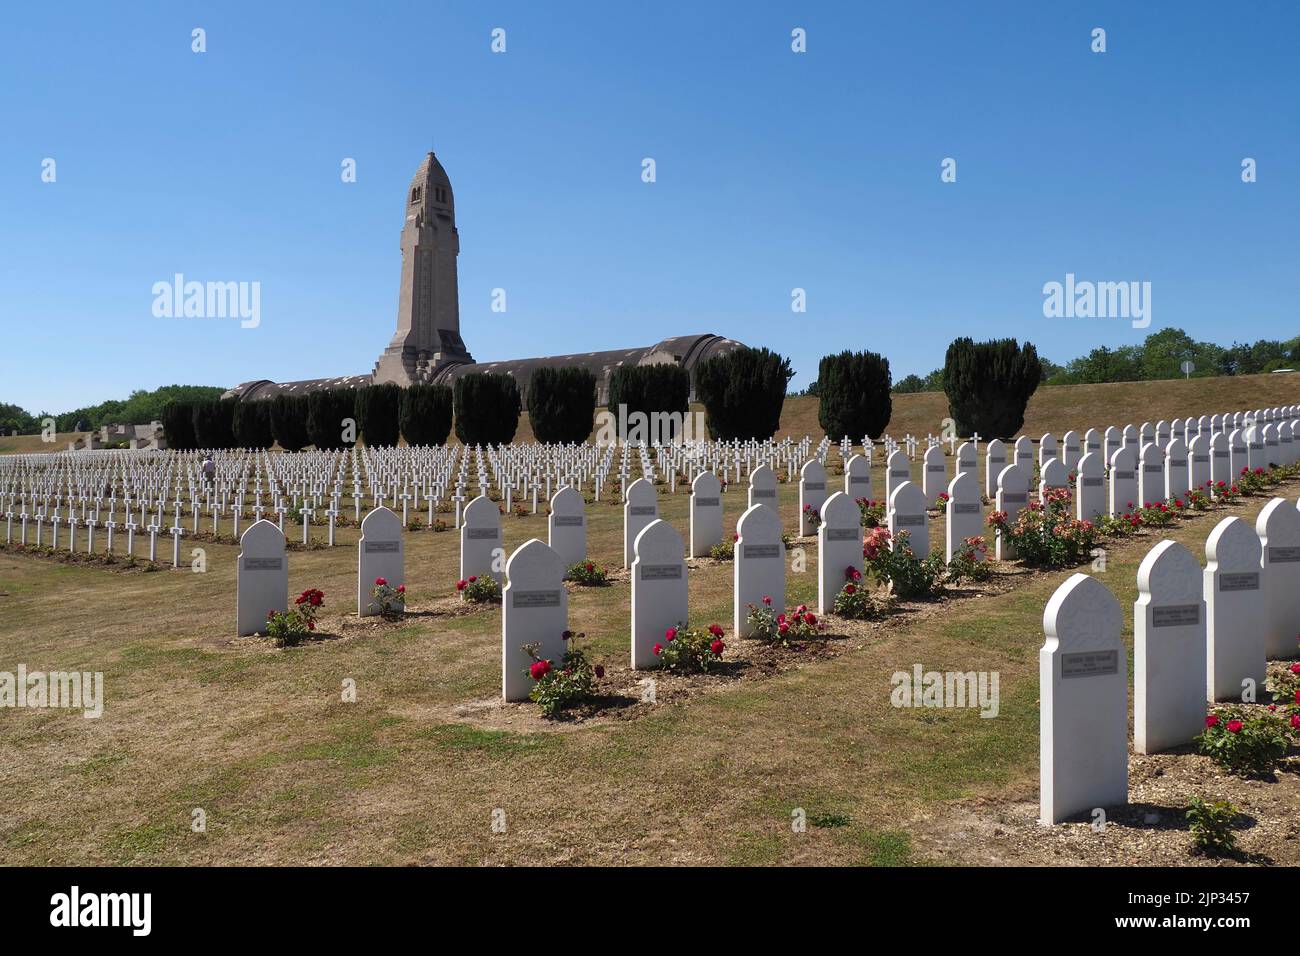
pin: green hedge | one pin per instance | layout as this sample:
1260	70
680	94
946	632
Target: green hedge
251	423
378	411
425	414
562	404
486	408
853	392
178	424
328	412
988	385
743	392
289	422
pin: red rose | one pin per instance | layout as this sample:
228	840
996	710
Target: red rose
473	578
717	647
311	625
537	670
670	634
566	635
1295	721
715	630
767	600
657	648
1235	726
810	619
401	589
850	588
1295	668
381	582
590	566
462	584
1212	721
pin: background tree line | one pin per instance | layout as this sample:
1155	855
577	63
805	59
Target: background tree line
1160	356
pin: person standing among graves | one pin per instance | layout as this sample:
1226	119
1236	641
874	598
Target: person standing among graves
209	470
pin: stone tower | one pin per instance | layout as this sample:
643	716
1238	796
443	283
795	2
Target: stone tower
428	308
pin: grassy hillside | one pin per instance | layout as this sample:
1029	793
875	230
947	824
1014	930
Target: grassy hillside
1058	408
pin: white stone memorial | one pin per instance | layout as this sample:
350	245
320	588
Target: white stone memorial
641	508
659	593
839	547
1169	657
262	577
907	513
965	518
381	553
759	564
1278	527
1083	703
481	543
534	610
1234	611
706	513
567	526
812	493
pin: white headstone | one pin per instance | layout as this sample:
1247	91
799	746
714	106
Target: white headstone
706	513
759	564
965	518
1012	497
1278	527
1168	649
1053	474
1090	487
907	513
481	546
1083	702
812	493
897	470
1151	474
659	593
534	610
381	553
642	507
857	478
935	478
1234	610
262	577
995	459
839	547
1123	481
1177	470
762	487
567	526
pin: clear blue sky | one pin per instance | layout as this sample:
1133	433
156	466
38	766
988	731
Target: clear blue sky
775	171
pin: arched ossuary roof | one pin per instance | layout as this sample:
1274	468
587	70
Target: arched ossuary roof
686	350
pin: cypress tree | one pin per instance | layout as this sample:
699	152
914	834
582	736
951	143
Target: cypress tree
289	422
989	384
743	392
378	412
425	415
561	404
854	399
486	408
